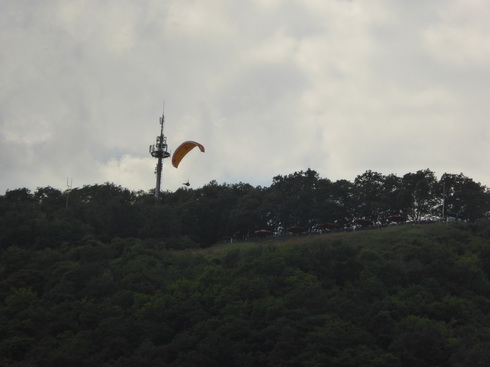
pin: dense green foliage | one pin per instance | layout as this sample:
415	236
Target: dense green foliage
221	212
91	277
412	295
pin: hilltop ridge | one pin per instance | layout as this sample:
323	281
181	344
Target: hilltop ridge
399	296
202	217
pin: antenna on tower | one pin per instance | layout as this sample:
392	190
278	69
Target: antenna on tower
160	151
69	185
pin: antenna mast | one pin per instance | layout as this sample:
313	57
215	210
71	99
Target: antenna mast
159	151
69	185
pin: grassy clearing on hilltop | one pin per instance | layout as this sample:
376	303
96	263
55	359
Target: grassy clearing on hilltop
376	237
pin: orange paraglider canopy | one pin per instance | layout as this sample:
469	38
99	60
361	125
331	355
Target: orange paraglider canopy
397	218
263	233
295	229
364	222
328	226
183	149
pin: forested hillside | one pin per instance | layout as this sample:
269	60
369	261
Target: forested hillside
223	212
102	276
412	295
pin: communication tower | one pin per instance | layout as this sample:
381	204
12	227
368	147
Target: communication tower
159	151
69	185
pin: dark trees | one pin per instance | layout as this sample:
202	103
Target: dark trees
222	212
421	197
407	296
293	200
463	197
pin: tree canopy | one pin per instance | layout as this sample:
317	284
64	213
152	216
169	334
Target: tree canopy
227	212
93	277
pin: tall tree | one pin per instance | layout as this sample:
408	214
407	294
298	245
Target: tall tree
463	197
293	199
367	190
420	195
249	213
18	215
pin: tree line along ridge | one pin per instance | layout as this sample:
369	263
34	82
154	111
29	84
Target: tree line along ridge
223	212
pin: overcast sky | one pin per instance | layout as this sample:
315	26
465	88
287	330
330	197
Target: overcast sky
269	87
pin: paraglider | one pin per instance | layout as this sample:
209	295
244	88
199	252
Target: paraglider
364	222
397	218
263	233
160	151
328	226
183	149
295	229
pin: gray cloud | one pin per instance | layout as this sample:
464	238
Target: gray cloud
269	87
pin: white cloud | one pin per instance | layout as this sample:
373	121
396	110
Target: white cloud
269	87
459	38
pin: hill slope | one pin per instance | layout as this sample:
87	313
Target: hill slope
401	296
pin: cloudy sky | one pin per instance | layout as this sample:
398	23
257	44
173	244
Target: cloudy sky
267	86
